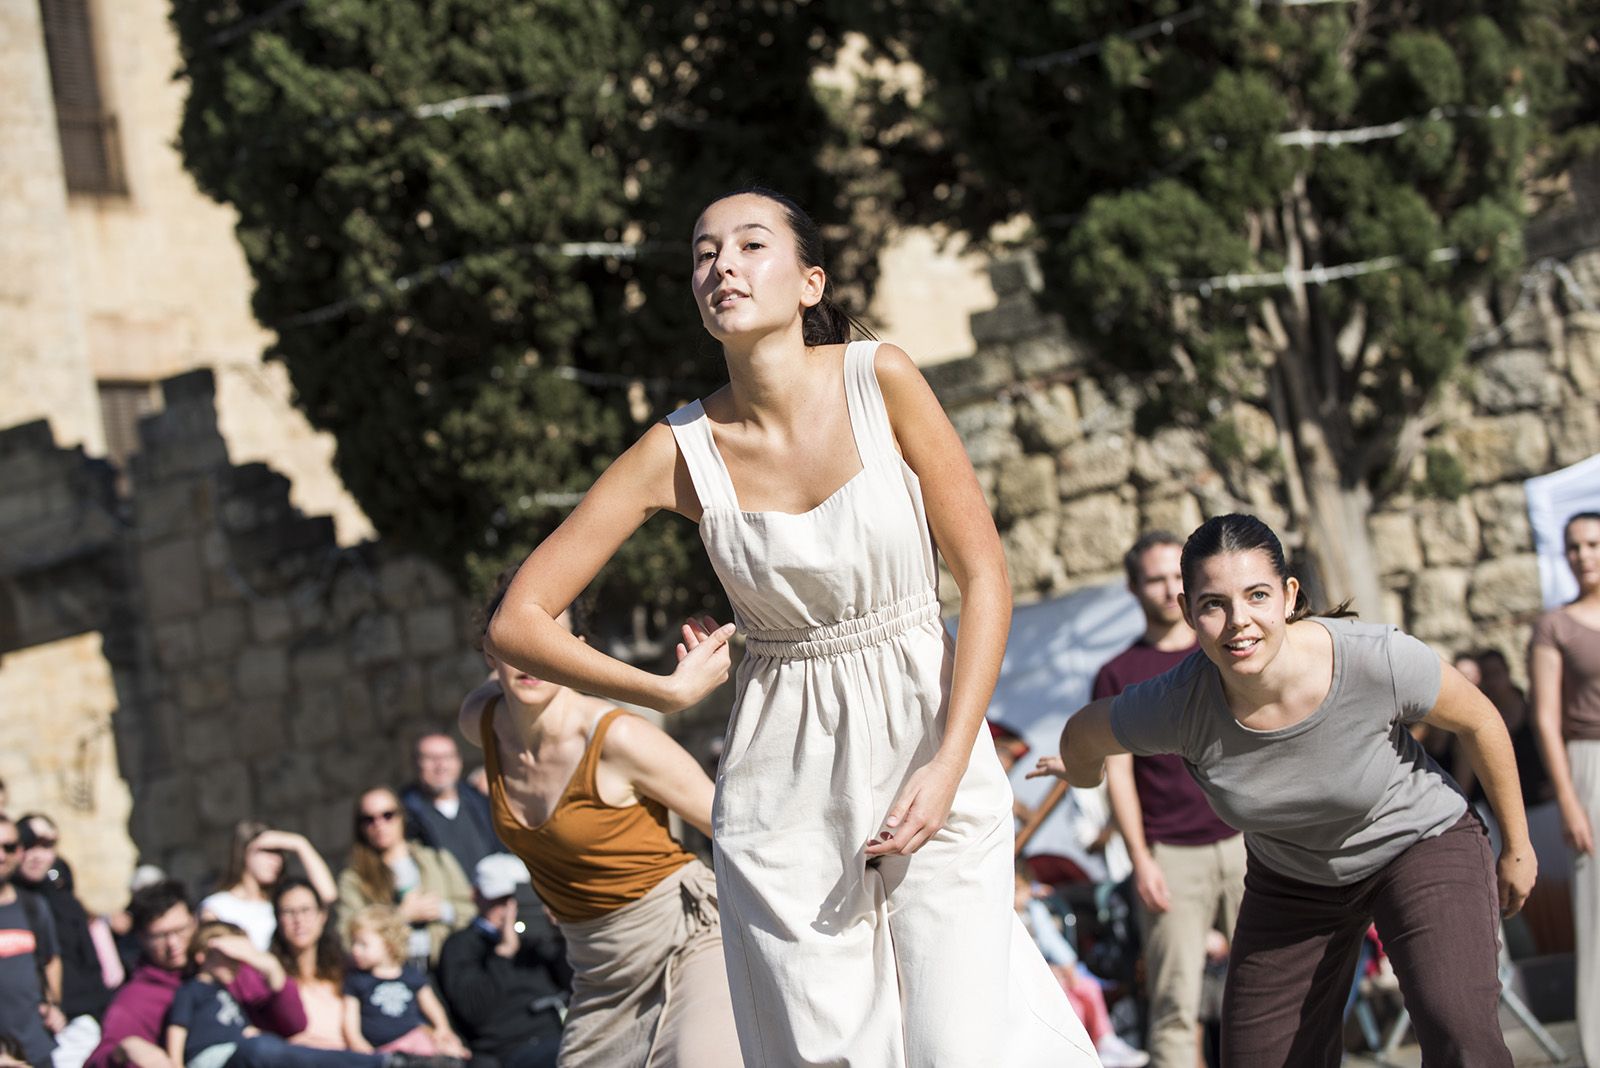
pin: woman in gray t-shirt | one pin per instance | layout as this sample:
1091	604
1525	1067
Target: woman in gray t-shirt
1296	730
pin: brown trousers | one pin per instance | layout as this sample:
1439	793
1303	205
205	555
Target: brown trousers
1294	953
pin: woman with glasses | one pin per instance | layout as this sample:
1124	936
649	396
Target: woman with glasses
310	952
425	884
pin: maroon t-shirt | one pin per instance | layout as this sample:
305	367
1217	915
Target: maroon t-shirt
1175	810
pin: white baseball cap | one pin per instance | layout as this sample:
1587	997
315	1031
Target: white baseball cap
498	875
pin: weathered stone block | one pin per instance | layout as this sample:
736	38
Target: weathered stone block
203	686
224	794
1508	586
1176	513
400	578
319	663
1503	519
176	642
172	508
1102	413
398	694
1048	420
1026	485
1501	448
449	679
258	725
973	379
271	619
316	717
1095	532
163	812
1030	548
985	430
431	630
1095	463
1577	433
1515	379
174	585
208	739
1394	540
1011	319
1015	274
347	773
1448	531
375	639
1437	603
261	670
1170	454
1583	351
223	629
290	781
354	594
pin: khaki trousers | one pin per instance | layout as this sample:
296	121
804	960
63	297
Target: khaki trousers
1584	757
649	988
1205	883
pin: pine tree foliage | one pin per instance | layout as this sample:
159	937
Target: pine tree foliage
409	256
1143	144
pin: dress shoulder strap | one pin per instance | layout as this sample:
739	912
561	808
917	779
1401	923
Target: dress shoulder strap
868	416
692	431
583	781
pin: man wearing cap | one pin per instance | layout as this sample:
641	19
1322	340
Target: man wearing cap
1188	866
505	980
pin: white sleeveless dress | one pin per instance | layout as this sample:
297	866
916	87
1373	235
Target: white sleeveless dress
909	962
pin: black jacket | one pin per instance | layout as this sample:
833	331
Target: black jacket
83	990
499	1004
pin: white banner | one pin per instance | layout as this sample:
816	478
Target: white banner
1552	500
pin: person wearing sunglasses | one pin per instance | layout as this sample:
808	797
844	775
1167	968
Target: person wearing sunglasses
425	884
27	947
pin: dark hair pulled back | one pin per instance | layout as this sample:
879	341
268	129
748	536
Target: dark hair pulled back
824	323
1576	518
1239	533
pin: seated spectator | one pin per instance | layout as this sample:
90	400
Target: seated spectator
121	923
1081	987
78	987
255	864
1497	685
388	1004
29	964
205	1028
424	884
133	1031
504	989
442	810
308	947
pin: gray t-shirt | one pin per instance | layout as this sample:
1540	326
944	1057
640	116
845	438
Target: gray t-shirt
1330	799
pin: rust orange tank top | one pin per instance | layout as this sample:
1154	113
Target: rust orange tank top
588	858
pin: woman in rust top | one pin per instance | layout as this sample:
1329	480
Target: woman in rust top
1564	664
580	791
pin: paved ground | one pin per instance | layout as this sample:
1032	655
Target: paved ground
1524	1050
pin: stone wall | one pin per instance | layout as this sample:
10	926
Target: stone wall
1071	485
261	669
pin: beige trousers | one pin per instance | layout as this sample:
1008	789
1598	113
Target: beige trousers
1206	884
650	989
1584	757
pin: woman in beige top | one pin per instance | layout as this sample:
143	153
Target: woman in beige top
1564	665
309	950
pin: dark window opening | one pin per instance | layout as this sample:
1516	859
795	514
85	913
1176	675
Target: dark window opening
91	154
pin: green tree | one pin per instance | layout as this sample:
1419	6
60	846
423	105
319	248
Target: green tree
1145	144
421	246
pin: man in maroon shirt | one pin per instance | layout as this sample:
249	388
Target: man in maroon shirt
1188	866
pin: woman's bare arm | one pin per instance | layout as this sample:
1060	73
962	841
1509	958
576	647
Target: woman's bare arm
1544	669
1086	741
659	768
1463	710
524	632
965	534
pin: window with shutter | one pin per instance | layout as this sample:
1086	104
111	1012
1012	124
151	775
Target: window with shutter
122	404
90	152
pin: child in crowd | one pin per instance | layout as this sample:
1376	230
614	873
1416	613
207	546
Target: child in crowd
1081	987
205	1026
388	1004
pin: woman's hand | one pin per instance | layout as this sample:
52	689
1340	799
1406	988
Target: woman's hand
1576	829
703	664
921	809
1516	872
1048	765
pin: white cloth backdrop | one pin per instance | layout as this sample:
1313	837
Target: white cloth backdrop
1056	648
1552	500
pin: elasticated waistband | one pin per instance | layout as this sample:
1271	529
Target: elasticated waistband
847	635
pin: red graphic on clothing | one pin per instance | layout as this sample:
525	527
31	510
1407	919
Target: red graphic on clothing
16	943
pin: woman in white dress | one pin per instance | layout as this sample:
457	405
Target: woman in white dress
255	866
862	827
